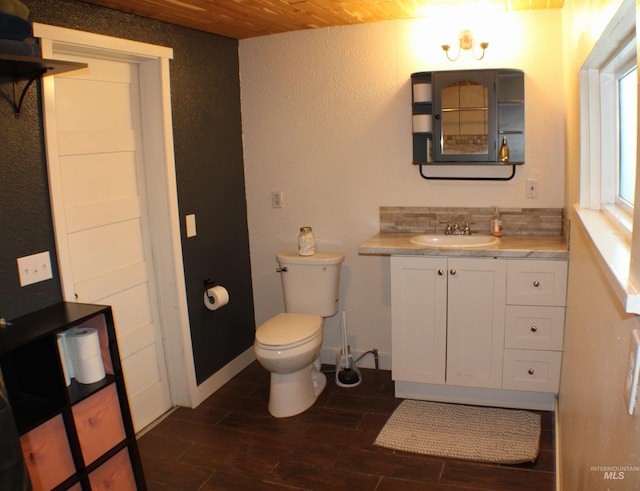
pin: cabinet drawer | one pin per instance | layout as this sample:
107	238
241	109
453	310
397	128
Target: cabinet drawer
47	454
539	328
531	370
99	423
116	474
535	282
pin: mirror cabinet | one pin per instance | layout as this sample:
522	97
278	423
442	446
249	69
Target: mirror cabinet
463	117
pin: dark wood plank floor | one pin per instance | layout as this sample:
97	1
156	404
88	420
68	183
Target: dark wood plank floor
230	442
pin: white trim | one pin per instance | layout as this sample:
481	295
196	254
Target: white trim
80	40
226	373
607	228
162	191
613	253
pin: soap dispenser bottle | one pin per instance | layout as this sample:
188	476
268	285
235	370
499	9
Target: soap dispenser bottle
496	223
504	150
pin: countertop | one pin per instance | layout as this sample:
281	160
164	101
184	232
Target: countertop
515	246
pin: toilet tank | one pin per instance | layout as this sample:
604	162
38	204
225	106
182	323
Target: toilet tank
311	284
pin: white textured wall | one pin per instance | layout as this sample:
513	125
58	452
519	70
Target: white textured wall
594	428
327	120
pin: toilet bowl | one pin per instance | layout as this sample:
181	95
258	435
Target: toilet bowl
288	345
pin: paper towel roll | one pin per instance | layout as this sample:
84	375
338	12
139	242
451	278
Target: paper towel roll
422	93
89	370
83	351
67	366
216	297
82	343
421	123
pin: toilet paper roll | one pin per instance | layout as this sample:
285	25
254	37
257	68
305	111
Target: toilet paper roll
82	343
421	123
422	93
216	297
67	366
89	370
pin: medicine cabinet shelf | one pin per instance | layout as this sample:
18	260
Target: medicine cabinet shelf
29	69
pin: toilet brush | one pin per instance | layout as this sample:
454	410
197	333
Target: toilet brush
349	376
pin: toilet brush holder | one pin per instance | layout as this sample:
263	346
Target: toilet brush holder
347	373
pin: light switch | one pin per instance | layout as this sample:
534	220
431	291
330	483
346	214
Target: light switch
191	225
34	268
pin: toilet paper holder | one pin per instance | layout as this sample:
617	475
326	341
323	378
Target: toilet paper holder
208	284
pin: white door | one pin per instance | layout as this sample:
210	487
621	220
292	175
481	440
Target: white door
101	174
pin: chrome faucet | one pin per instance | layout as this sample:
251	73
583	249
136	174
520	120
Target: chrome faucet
454	228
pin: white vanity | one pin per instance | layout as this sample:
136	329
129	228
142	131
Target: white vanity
477	325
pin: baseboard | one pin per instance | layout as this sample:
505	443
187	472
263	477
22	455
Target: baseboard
222	376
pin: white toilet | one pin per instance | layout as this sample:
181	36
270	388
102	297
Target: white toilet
288	345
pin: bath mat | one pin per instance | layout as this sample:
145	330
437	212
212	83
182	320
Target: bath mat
481	434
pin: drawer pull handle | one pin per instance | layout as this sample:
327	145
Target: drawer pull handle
440	272
531	371
453	272
536	283
534	329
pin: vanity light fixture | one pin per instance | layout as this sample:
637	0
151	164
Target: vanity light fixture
466	42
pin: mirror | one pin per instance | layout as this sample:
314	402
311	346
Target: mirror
465	116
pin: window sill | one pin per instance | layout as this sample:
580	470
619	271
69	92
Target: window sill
612	244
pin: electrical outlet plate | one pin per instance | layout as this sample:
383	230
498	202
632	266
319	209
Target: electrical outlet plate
34	268
633	372
276	199
532	188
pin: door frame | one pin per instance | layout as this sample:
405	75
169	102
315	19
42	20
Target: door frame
160	182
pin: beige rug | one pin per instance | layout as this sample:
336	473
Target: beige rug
482	434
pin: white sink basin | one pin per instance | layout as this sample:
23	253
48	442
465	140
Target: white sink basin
453	241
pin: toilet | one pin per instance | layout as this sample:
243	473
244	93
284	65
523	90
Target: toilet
288	345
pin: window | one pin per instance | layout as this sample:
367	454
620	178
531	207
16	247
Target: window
628	129
608	155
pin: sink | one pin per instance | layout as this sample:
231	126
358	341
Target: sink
453	241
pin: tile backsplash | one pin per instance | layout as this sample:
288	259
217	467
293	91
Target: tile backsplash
516	221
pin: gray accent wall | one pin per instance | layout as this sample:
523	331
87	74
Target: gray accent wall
205	94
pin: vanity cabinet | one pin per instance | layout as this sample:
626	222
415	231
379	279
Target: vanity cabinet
534	325
448	320
476	329
73	436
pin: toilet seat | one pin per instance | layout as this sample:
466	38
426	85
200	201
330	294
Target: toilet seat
288	330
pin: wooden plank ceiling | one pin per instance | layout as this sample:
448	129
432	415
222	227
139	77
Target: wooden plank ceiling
240	19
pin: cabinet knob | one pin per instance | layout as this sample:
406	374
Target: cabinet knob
536	283
534	329
440	272
531	371
452	272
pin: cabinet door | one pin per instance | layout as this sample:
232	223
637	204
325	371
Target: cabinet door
418	318
476	308
464	122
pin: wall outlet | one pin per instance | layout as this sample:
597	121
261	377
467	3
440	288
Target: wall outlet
276	199
532	188
633	372
34	268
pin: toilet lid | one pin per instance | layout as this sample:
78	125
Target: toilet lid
288	328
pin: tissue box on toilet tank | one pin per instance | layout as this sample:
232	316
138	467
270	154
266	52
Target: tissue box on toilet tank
83	355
